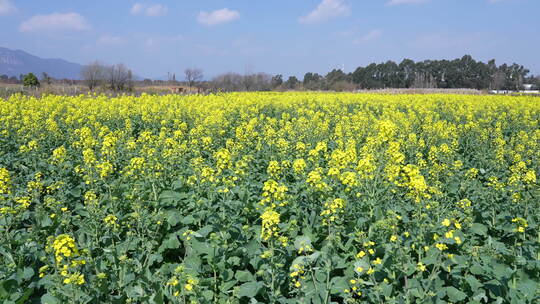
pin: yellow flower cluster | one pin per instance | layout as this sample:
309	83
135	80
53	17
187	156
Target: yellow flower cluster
5	181
223	159
59	155
297	274
274	193
273	169
64	247
299	166
416	183
270	222
521	224
75	278
30	146
111	221
315	180
67	259
331	211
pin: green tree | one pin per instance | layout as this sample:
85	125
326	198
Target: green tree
30	80
313	81
276	81
292	83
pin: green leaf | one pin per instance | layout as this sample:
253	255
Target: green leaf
473	283
173	217
201	248
49	299
243	276
415	292
169	197
75	192
170	243
27	273
187	220
528	288
386	290
208	295
227	286
204	231
249	289
502	271
314	256
477	269
432	257
454	294
338	284
7	287
479	229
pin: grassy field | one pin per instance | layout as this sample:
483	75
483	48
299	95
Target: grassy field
270	198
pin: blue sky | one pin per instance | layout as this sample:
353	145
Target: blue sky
289	37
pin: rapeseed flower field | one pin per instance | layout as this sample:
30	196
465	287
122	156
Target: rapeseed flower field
270	198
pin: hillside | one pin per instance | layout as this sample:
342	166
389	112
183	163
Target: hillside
16	62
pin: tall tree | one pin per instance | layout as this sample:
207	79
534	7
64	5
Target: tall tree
292	82
193	75
313	81
94	74
277	80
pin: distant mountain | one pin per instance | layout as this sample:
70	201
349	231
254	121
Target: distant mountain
16	62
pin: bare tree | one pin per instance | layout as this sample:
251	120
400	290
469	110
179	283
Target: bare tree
193	75
93	74
248	80
235	82
119	76
228	82
46	78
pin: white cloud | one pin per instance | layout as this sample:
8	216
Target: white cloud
371	35
398	2
155	10
6	7
217	17
136	9
55	22
326	10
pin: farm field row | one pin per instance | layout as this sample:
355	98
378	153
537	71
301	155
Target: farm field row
270	198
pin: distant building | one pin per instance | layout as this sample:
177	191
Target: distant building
528	86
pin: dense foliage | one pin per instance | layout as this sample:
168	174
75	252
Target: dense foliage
30	80
464	72
270	198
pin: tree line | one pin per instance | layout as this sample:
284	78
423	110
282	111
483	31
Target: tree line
464	72
116	77
461	73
